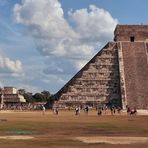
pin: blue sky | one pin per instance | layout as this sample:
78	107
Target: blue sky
43	43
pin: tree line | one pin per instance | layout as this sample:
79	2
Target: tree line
44	96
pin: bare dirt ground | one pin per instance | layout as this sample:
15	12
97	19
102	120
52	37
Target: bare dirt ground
17	137
34	130
113	140
142	112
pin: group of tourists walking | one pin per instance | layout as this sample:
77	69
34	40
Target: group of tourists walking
100	110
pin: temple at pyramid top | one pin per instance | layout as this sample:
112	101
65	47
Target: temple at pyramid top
131	33
116	76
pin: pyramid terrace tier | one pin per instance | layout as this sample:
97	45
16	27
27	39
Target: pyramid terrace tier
87	97
100	75
95	87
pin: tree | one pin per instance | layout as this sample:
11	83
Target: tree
46	94
50	102
27	95
39	97
21	91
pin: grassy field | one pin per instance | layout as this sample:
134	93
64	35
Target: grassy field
61	131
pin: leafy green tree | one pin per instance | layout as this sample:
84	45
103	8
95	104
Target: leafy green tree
46	94
39	97
21	91
27	95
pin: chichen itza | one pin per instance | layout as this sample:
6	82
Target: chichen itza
117	74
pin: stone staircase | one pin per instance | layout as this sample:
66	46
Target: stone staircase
98	82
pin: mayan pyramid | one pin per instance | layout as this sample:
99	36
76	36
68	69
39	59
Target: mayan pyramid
116	75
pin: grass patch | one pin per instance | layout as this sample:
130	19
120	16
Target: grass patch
23	133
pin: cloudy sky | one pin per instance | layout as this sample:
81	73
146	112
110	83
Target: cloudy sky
43	43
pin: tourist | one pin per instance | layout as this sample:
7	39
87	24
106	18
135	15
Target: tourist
111	110
77	110
43	110
114	110
56	111
99	111
86	109
119	110
105	109
133	111
128	110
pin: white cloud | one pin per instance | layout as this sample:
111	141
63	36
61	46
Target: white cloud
28	88
94	24
46	24
9	66
56	37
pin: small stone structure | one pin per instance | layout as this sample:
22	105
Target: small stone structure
10	95
116	75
